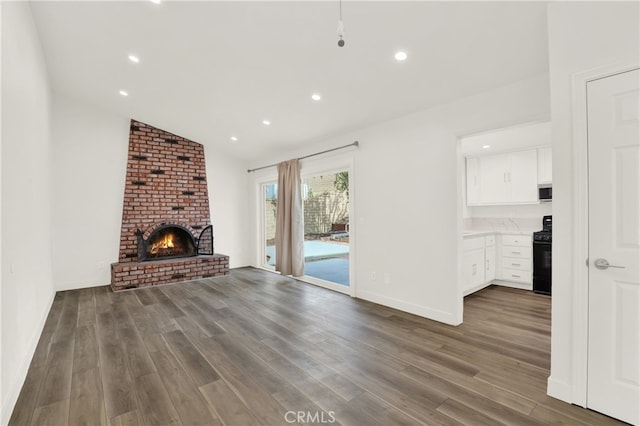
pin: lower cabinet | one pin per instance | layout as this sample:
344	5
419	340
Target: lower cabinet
478	263
508	260
490	258
473	269
515	260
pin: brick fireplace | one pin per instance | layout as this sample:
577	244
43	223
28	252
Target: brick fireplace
166	233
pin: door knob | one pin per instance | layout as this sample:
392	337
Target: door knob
604	264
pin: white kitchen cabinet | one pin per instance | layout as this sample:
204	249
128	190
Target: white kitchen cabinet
522	176
472	180
478	262
544	166
515	260
493	187
490	259
510	178
473	270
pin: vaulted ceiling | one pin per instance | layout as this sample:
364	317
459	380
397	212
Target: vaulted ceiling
213	70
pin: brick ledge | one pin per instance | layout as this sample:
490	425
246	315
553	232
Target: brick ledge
129	275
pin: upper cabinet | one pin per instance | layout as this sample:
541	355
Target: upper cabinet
513	175
510	178
492	179
472	181
544	166
523	176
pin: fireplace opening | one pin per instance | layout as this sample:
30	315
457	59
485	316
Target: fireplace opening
169	241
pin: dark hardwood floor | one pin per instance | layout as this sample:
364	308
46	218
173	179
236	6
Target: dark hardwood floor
257	348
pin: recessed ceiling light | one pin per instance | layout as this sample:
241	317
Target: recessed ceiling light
266	122
486	146
233	138
400	56
124	93
134	58
156	1
316	97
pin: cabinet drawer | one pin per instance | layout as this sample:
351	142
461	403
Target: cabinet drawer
516	263
518	252
516	240
473	243
490	240
517	276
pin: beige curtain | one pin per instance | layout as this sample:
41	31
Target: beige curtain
289	220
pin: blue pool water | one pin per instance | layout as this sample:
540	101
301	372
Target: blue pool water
335	270
324	260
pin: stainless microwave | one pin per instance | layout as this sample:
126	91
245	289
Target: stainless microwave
545	194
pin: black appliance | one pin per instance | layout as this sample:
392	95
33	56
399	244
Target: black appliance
545	194
542	257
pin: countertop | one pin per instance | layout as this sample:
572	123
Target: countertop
469	233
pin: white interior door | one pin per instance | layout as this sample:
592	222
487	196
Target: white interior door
613	375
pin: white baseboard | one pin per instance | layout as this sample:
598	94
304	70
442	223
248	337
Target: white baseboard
559	390
79	284
512	284
14	388
476	288
423	311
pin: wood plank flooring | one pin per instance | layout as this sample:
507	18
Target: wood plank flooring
254	348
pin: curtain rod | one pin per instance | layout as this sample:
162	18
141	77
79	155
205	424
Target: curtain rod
356	143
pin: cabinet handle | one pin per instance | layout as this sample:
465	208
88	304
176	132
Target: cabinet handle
487	264
515	264
509	176
515	252
515	276
504	177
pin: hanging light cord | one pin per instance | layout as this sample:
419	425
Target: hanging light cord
340	26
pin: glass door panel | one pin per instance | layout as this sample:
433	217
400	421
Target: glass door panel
326	227
270	202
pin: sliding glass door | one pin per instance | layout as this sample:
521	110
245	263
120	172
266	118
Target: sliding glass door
326	226
327	231
269	204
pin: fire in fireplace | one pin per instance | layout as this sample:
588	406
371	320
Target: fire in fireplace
168	241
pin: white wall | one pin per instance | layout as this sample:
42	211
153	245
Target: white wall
27	285
582	36
2	409
231	207
407	196
89	169
89	166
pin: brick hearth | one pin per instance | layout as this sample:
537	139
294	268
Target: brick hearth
166	183
143	274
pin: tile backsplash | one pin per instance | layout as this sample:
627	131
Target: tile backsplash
503	224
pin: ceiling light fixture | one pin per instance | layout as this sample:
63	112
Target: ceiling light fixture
340	28
233	138
316	97
134	58
266	122
486	146
124	93
156	1
400	56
